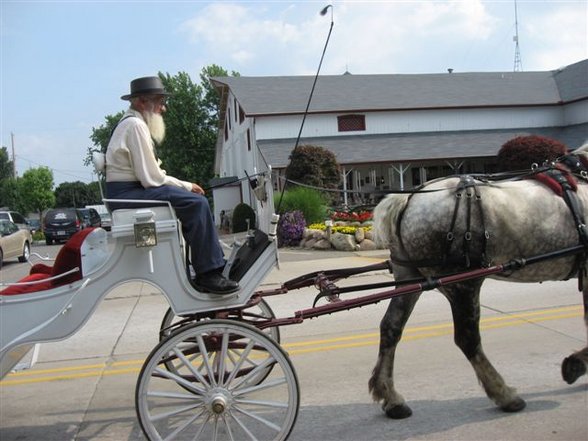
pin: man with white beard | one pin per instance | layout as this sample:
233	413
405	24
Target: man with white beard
133	172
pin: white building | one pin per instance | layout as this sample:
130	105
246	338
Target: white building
394	131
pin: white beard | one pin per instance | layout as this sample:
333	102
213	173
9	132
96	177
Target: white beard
156	126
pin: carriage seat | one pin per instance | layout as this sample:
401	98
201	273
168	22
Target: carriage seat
72	255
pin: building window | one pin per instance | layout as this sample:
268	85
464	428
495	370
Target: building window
248	140
350	123
226	131
241	115
236	106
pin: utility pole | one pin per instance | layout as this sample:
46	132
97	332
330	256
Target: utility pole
518	64
13	156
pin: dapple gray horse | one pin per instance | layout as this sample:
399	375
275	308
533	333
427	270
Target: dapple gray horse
431	233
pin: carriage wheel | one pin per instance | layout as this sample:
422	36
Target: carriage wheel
261	311
217	396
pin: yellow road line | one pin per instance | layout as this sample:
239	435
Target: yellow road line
297	348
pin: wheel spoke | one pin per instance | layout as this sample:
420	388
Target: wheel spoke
171	376
184	426
258	418
257	369
190	367
173	395
177	411
263	403
239	363
262	386
244	428
202	347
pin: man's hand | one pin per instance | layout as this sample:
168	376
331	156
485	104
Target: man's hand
197	189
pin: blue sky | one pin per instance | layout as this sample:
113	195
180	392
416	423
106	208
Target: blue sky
65	64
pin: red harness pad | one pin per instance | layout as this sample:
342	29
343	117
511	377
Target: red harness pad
553	184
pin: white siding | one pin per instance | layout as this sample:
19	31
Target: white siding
576	113
288	126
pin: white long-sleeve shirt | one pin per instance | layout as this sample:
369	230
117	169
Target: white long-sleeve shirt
130	156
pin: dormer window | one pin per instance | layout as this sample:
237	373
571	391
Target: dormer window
351	123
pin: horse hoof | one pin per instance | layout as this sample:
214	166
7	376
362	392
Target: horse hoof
398	412
572	368
514	406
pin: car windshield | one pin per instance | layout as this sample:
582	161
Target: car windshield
4	216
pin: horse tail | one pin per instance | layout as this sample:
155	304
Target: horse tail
386	215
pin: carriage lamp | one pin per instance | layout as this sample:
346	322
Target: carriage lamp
145	234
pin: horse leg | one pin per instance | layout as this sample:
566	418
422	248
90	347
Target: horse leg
465	307
381	383
574	366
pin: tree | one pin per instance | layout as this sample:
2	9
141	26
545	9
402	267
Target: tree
8	185
315	166
36	187
5	164
189	146
77	194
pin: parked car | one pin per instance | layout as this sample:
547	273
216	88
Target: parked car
15	217
106	221
90	217
59	224
34	225
14	242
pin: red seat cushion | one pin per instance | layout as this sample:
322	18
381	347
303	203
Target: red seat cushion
22	289
41	268
70	257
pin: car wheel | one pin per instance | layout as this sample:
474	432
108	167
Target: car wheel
48	241
26	253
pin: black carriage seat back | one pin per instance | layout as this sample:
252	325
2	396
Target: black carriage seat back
247	254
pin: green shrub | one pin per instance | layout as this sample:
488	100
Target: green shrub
241	213
38	236
310	202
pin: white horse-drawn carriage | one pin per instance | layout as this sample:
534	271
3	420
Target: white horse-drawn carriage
218	371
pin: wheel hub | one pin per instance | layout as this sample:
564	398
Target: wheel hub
218	401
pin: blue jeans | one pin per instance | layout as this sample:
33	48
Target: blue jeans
193	211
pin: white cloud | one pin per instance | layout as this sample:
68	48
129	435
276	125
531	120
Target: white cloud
367	35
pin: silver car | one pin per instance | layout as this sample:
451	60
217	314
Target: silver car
14	242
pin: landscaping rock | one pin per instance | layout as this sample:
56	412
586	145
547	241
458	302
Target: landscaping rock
359	235
322	244
343	242
367	245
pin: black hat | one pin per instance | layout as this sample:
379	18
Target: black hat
145	86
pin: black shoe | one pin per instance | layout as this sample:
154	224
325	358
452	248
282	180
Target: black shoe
214	282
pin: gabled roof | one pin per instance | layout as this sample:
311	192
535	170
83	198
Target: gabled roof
351	93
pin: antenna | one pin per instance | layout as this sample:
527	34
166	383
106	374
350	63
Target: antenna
518	64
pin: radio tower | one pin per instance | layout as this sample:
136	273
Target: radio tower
518	64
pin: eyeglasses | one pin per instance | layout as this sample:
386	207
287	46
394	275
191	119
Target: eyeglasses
160	101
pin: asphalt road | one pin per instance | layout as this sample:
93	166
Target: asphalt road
83	388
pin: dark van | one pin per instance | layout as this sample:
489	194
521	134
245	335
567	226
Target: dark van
61	223
90	217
